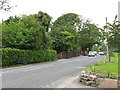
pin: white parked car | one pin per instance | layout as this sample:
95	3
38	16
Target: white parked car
101	53
91	54
95	52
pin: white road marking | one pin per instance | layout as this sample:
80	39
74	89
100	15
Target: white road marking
60	60
0	74
80	67
35	68
27	69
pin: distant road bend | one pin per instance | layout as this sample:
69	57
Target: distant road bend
45	74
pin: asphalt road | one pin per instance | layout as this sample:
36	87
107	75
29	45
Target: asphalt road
43	75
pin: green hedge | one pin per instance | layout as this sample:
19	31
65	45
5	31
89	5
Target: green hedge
17	56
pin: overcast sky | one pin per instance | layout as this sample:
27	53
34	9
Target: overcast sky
96	10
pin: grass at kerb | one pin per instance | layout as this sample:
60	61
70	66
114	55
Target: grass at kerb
105	67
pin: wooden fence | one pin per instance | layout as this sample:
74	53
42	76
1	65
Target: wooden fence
64	55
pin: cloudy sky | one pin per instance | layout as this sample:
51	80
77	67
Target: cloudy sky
96	10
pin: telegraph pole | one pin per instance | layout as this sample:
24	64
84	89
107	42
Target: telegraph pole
119	11
118	47
106	37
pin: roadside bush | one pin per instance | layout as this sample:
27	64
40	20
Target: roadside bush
0	57
17	56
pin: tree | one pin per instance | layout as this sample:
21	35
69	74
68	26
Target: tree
64	33
0	35
44	19
89	35
112	35
25	33
5	5
13	18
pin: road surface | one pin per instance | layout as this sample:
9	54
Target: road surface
45	75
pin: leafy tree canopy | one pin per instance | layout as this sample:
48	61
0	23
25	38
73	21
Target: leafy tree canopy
25	33
89	35
64	33
44	18
112	33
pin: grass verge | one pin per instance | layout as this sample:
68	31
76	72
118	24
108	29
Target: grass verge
105	68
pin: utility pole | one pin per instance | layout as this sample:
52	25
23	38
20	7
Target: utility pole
106	37
118	47
119	11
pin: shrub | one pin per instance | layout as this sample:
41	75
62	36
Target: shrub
17	56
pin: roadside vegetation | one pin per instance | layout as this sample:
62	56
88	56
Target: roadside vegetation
25	37
105	68
16	56
35	38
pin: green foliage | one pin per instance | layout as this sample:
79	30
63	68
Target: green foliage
44	18
25	33
11	18
89	35
106	69
0	58
113	33
0	45
17	56
64	33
